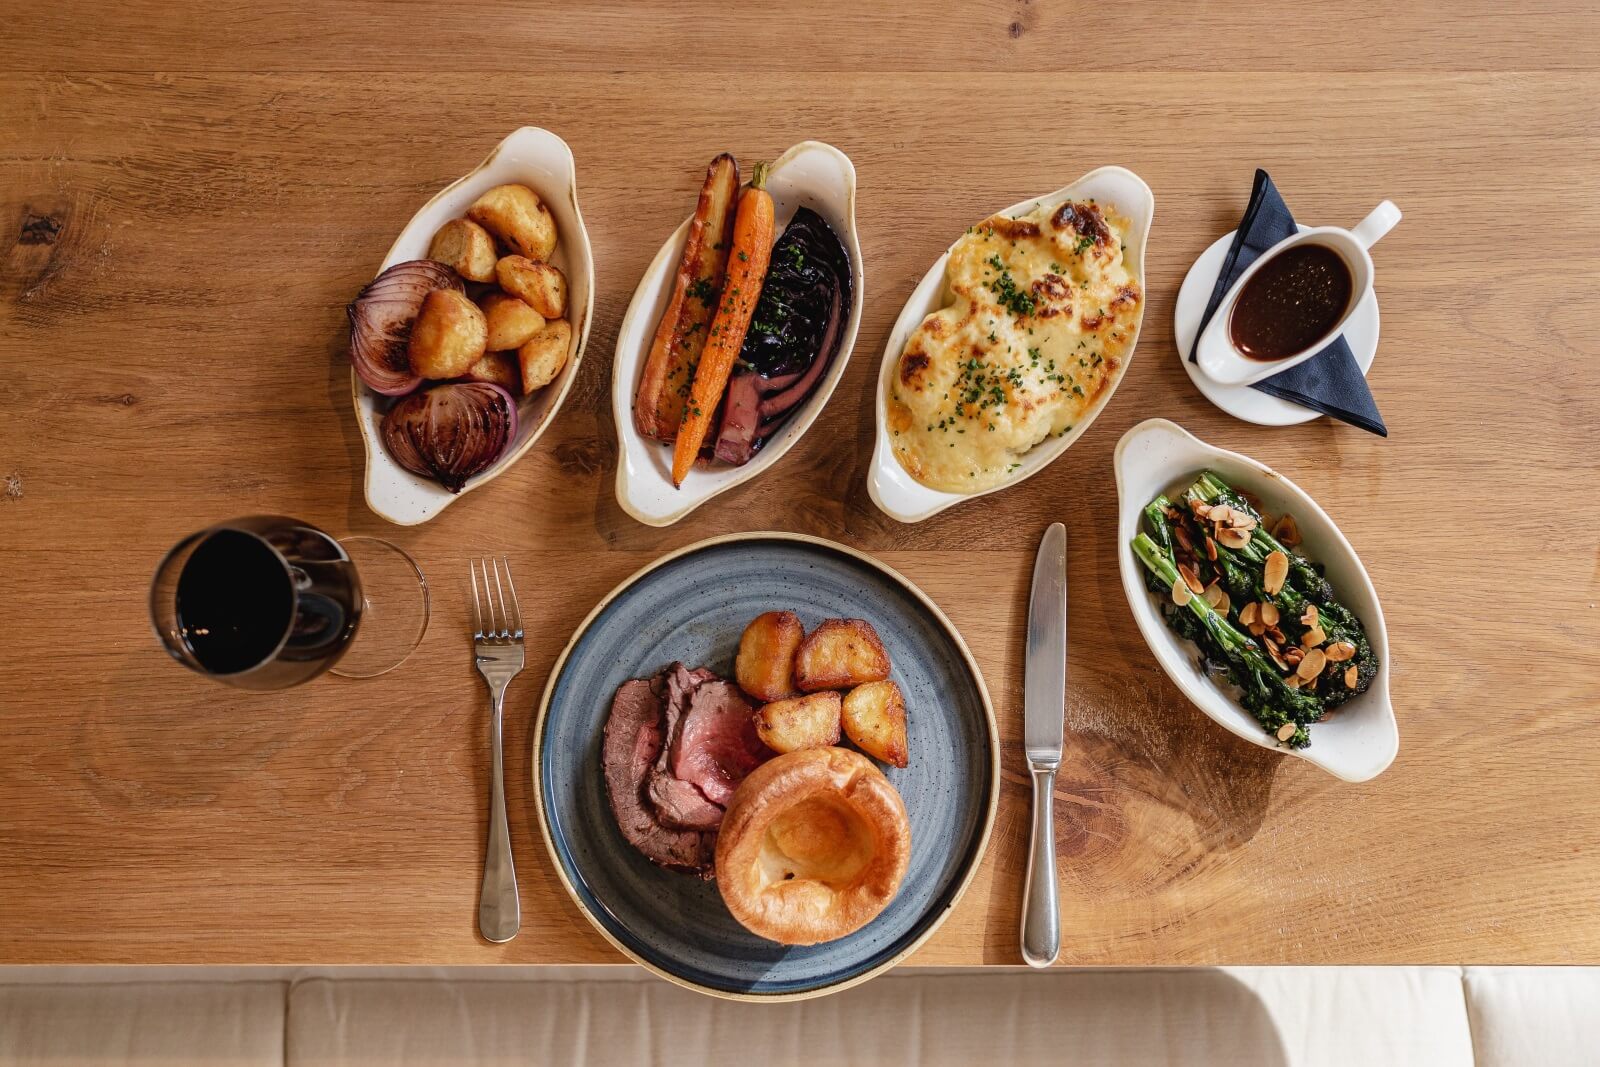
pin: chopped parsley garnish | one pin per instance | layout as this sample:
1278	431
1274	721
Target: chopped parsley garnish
702	291
1006	292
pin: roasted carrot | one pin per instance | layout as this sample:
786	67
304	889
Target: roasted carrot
681	334
747	269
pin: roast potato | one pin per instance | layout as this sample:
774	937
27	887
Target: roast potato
875	719
539	285
466	248
838	654
449	336
810	721
498	368
511	321
516	215
544	354
765	665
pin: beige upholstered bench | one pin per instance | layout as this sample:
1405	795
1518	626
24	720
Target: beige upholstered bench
1299	1016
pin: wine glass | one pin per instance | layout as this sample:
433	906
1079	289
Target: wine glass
267	602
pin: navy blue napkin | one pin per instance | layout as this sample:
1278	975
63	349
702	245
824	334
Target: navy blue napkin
1330	381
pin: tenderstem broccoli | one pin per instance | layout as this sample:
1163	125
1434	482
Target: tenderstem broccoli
1263	692
1304	584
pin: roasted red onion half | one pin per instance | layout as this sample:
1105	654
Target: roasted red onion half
451	432
380	322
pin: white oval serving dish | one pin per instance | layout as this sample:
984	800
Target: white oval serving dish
543	162
813	175
1158	456
891	486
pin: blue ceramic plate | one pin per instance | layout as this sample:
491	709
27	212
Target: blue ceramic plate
692	606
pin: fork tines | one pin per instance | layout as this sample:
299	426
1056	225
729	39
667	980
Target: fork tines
503	620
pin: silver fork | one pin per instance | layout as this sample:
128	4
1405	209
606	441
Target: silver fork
497	650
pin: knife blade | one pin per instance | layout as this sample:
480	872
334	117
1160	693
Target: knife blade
1043	729
1045	688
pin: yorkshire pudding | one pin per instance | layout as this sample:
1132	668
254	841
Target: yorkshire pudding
813	846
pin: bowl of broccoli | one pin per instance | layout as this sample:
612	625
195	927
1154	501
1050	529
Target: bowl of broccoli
1253	601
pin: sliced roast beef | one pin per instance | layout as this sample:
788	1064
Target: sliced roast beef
676	747
633	742
681	805
678	802
717	744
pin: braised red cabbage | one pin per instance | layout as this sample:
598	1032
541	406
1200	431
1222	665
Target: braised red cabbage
795	333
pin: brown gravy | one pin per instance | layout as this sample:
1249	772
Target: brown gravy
1297	296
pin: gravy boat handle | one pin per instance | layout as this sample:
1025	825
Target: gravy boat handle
1380	221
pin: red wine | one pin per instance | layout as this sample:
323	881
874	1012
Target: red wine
235	602
268	600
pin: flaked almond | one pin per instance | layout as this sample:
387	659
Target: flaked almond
1228	537
1247	614
1272	650
1269	613
1180	593
1277	634
1181	535
1200	508
1312	665
1258	628
1313	637
1351	676
1286	731
1340	651
1220	513
1293	681
1294	655
1193	580
1309	616
1277	569
1211	549
1287	531
1240	521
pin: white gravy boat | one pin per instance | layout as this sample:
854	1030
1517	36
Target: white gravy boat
1220	359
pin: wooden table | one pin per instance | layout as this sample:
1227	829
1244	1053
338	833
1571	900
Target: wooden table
189	193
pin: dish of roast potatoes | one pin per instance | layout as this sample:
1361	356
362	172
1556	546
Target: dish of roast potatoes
460	335
765	765
465	343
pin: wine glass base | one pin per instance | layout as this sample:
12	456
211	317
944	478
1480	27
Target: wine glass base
395	609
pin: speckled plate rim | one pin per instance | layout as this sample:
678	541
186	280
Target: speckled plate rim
990	726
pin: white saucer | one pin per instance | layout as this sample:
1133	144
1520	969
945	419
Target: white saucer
1243	401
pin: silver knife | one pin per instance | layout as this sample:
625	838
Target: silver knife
1043	709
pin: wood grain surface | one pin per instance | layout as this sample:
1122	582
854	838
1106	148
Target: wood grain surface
190	193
